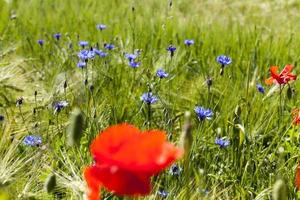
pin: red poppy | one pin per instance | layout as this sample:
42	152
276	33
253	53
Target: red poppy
283	77
297	178
296	116
126	158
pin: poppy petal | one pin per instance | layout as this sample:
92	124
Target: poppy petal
91	177
286	70
112	139
274	70
292	77
269	81
297	177
296	116
123	182
149	152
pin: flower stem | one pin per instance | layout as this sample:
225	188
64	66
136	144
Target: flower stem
149	115
280	110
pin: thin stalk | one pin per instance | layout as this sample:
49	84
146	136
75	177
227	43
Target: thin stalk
149	115
280	110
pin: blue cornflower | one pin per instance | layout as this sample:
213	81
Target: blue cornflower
58	106
101	27
163	193
57	36
149	98
41	42
203	113
83	43
1	118
161	73
109	46
134	64
189	42
223	143
86	54
223	60
81	64
137	52
171	48
32	140
175	170
131	57
260	88
100	53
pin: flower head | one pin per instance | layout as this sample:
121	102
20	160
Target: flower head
32	140
175	170
83	43
149	98
223	60
134	64
283	77
59	105
81	64
163	193
222	142
203	113
86	54
125	159
189	42
296	116
131	57
100	53
171	49
101	27
160	73
109	46
41	42
260	88
57	36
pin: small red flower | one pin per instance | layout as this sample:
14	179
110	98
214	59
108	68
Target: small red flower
126	158
283	77
296	116
297	178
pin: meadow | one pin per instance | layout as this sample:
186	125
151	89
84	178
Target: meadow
243	136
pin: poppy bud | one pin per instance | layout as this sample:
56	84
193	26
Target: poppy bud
186	139
92	88
1	118
209	82
50	183
75	128
290	93
279	190
65	84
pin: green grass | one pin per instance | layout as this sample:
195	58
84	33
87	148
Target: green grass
255	34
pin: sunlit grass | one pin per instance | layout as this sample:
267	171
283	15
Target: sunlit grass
255	34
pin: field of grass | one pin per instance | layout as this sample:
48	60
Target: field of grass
255	34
